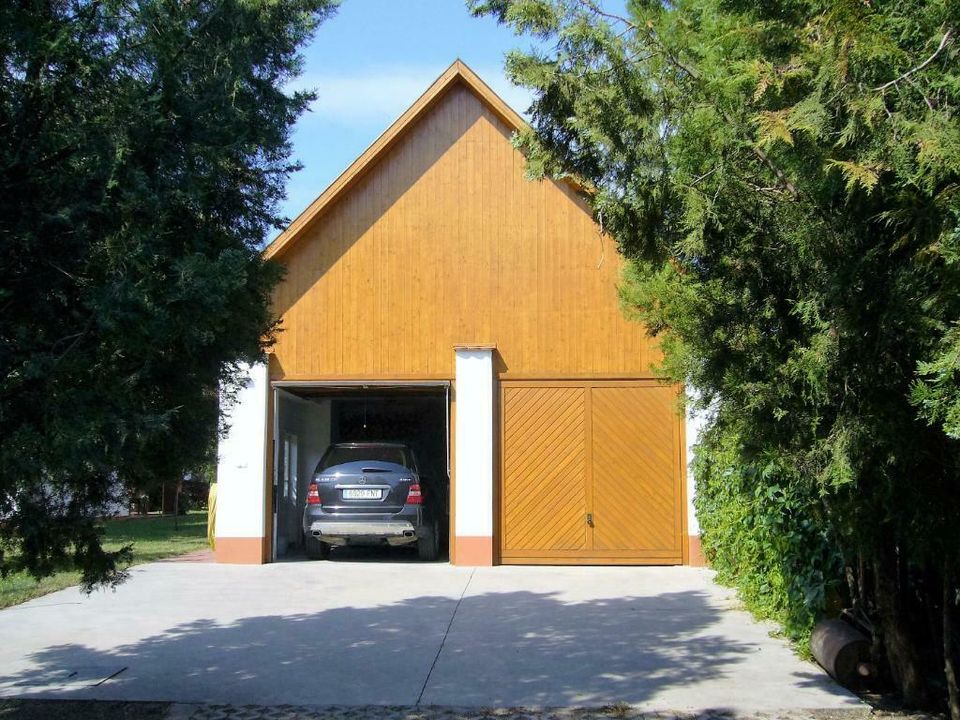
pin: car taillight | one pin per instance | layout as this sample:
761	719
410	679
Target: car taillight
415	495
313	495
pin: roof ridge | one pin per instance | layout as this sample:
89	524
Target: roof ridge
457	72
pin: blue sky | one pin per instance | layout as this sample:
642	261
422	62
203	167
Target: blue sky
369	62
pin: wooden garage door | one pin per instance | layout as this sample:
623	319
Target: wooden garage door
591	472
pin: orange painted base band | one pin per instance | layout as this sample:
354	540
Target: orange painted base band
241	551
474	551
697	558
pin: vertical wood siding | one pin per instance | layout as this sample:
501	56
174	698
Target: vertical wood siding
443	242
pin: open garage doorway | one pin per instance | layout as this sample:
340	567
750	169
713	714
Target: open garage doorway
310	417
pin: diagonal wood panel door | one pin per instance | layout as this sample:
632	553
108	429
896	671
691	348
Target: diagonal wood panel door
635	470
591	473
544	463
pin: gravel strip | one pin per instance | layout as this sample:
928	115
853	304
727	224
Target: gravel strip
615	712
104	710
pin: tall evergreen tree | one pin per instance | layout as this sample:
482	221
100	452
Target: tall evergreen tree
784	178
144	146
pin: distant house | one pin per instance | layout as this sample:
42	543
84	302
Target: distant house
433	294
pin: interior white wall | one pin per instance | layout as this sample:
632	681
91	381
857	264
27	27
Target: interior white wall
241	460
310	421
474	442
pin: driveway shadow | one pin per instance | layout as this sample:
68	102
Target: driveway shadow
524	646
503	648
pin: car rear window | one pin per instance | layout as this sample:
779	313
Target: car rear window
337	455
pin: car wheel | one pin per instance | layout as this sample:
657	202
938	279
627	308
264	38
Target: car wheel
316	549
428	544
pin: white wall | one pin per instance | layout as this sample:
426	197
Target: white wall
241	460
474	439
119	503
695	422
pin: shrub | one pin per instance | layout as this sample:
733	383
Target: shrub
763	531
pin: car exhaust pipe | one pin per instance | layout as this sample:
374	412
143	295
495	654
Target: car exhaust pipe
316	533
408	533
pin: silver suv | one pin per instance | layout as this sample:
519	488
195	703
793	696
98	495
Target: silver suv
373	493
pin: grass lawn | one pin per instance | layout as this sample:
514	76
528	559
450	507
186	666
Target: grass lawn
153	538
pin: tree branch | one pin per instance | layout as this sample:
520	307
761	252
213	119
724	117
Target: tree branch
693	73
944	41
651	36
765	159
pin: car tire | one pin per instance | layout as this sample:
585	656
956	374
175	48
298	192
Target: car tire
428	544
316	549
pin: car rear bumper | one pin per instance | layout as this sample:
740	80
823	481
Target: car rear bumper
347	528
362	529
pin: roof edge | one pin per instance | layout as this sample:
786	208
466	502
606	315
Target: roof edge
458	72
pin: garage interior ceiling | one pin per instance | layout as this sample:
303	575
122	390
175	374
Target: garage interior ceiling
346	389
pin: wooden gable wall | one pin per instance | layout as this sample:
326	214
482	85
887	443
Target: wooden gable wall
442	243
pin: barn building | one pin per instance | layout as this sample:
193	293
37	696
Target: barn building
434	294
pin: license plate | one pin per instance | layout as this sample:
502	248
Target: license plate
361	494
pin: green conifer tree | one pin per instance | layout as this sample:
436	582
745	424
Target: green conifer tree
784	178
144	146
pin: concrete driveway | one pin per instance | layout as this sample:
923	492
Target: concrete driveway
349	632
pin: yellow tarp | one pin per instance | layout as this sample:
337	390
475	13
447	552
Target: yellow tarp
212	515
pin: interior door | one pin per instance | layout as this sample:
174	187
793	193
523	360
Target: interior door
289	505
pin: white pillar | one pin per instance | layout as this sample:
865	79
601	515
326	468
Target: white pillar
474	471
694	424
241	474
